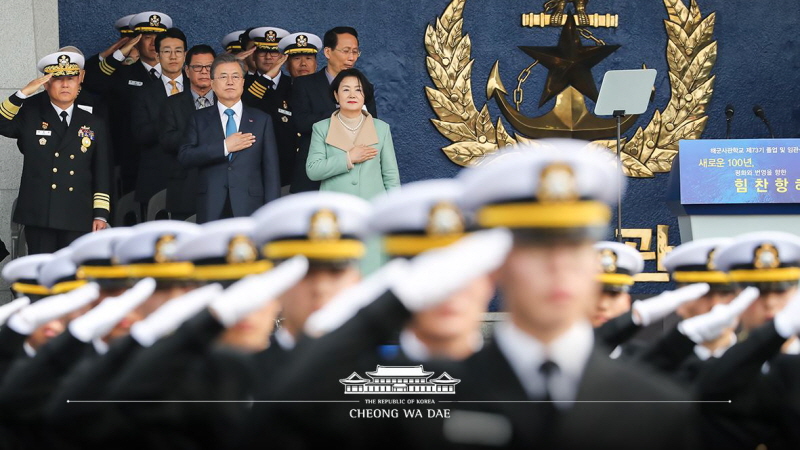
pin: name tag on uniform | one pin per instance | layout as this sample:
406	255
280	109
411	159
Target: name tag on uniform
135	83
43	132
284	112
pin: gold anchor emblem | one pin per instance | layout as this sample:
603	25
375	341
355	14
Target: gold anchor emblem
691	54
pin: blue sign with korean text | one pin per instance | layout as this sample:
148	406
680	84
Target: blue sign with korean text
740	171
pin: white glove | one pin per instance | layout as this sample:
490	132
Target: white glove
11	307
662	305
435	275
37	314
172	314
102	318
710	326
251	293
345	305
787	321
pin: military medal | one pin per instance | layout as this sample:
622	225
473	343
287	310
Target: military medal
86	142
45	125
285	119
42	141
87	136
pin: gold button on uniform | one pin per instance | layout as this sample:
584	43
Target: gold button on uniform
56	154
71	156
72	172
55	170
70	189
53	186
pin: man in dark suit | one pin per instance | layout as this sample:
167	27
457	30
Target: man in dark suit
233	146
120	84
65	185
146	109
175	116
313	101
270	90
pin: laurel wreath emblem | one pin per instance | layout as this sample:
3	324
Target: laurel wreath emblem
691	54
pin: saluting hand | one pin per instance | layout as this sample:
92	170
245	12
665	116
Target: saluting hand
246	53
361	153
277	67
34	85
239	141
126	49
114	47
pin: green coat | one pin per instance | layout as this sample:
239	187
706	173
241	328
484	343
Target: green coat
328	164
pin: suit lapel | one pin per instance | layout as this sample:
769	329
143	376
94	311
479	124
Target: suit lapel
50	117
246	125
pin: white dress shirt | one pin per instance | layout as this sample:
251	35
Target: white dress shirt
68	110
416	350
525	355
168	86
237	117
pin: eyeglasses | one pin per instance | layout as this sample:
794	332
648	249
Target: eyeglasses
347	51
235	77
199	68
170	52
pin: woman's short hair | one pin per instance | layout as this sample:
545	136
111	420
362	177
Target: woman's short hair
366	87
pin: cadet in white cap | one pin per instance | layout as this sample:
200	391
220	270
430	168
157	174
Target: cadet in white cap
94	256
66	180
556	198
327	228
123	25
59	275
150	251
768	260
301	49
23	275
268	60
619	263
231	42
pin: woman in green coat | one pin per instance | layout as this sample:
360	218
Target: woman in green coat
352	152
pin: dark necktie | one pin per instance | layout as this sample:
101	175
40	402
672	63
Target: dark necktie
548	369
270	84
548	410
64	123
153	74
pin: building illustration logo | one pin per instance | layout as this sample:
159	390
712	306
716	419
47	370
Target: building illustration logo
400	380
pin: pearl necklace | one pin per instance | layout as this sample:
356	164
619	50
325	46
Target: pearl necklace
353	130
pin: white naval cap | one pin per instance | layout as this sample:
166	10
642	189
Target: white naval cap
23	274
231	41
694	262
123	25
558	184
419	216
224	250
93	253
320	225
267	38
150	22
301	43
65	62
619	263
59	274
150	249
761	257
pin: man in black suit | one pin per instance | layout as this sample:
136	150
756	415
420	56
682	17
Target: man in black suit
175	115
312	100
270	90
233	146
120	84
65	185
146	109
